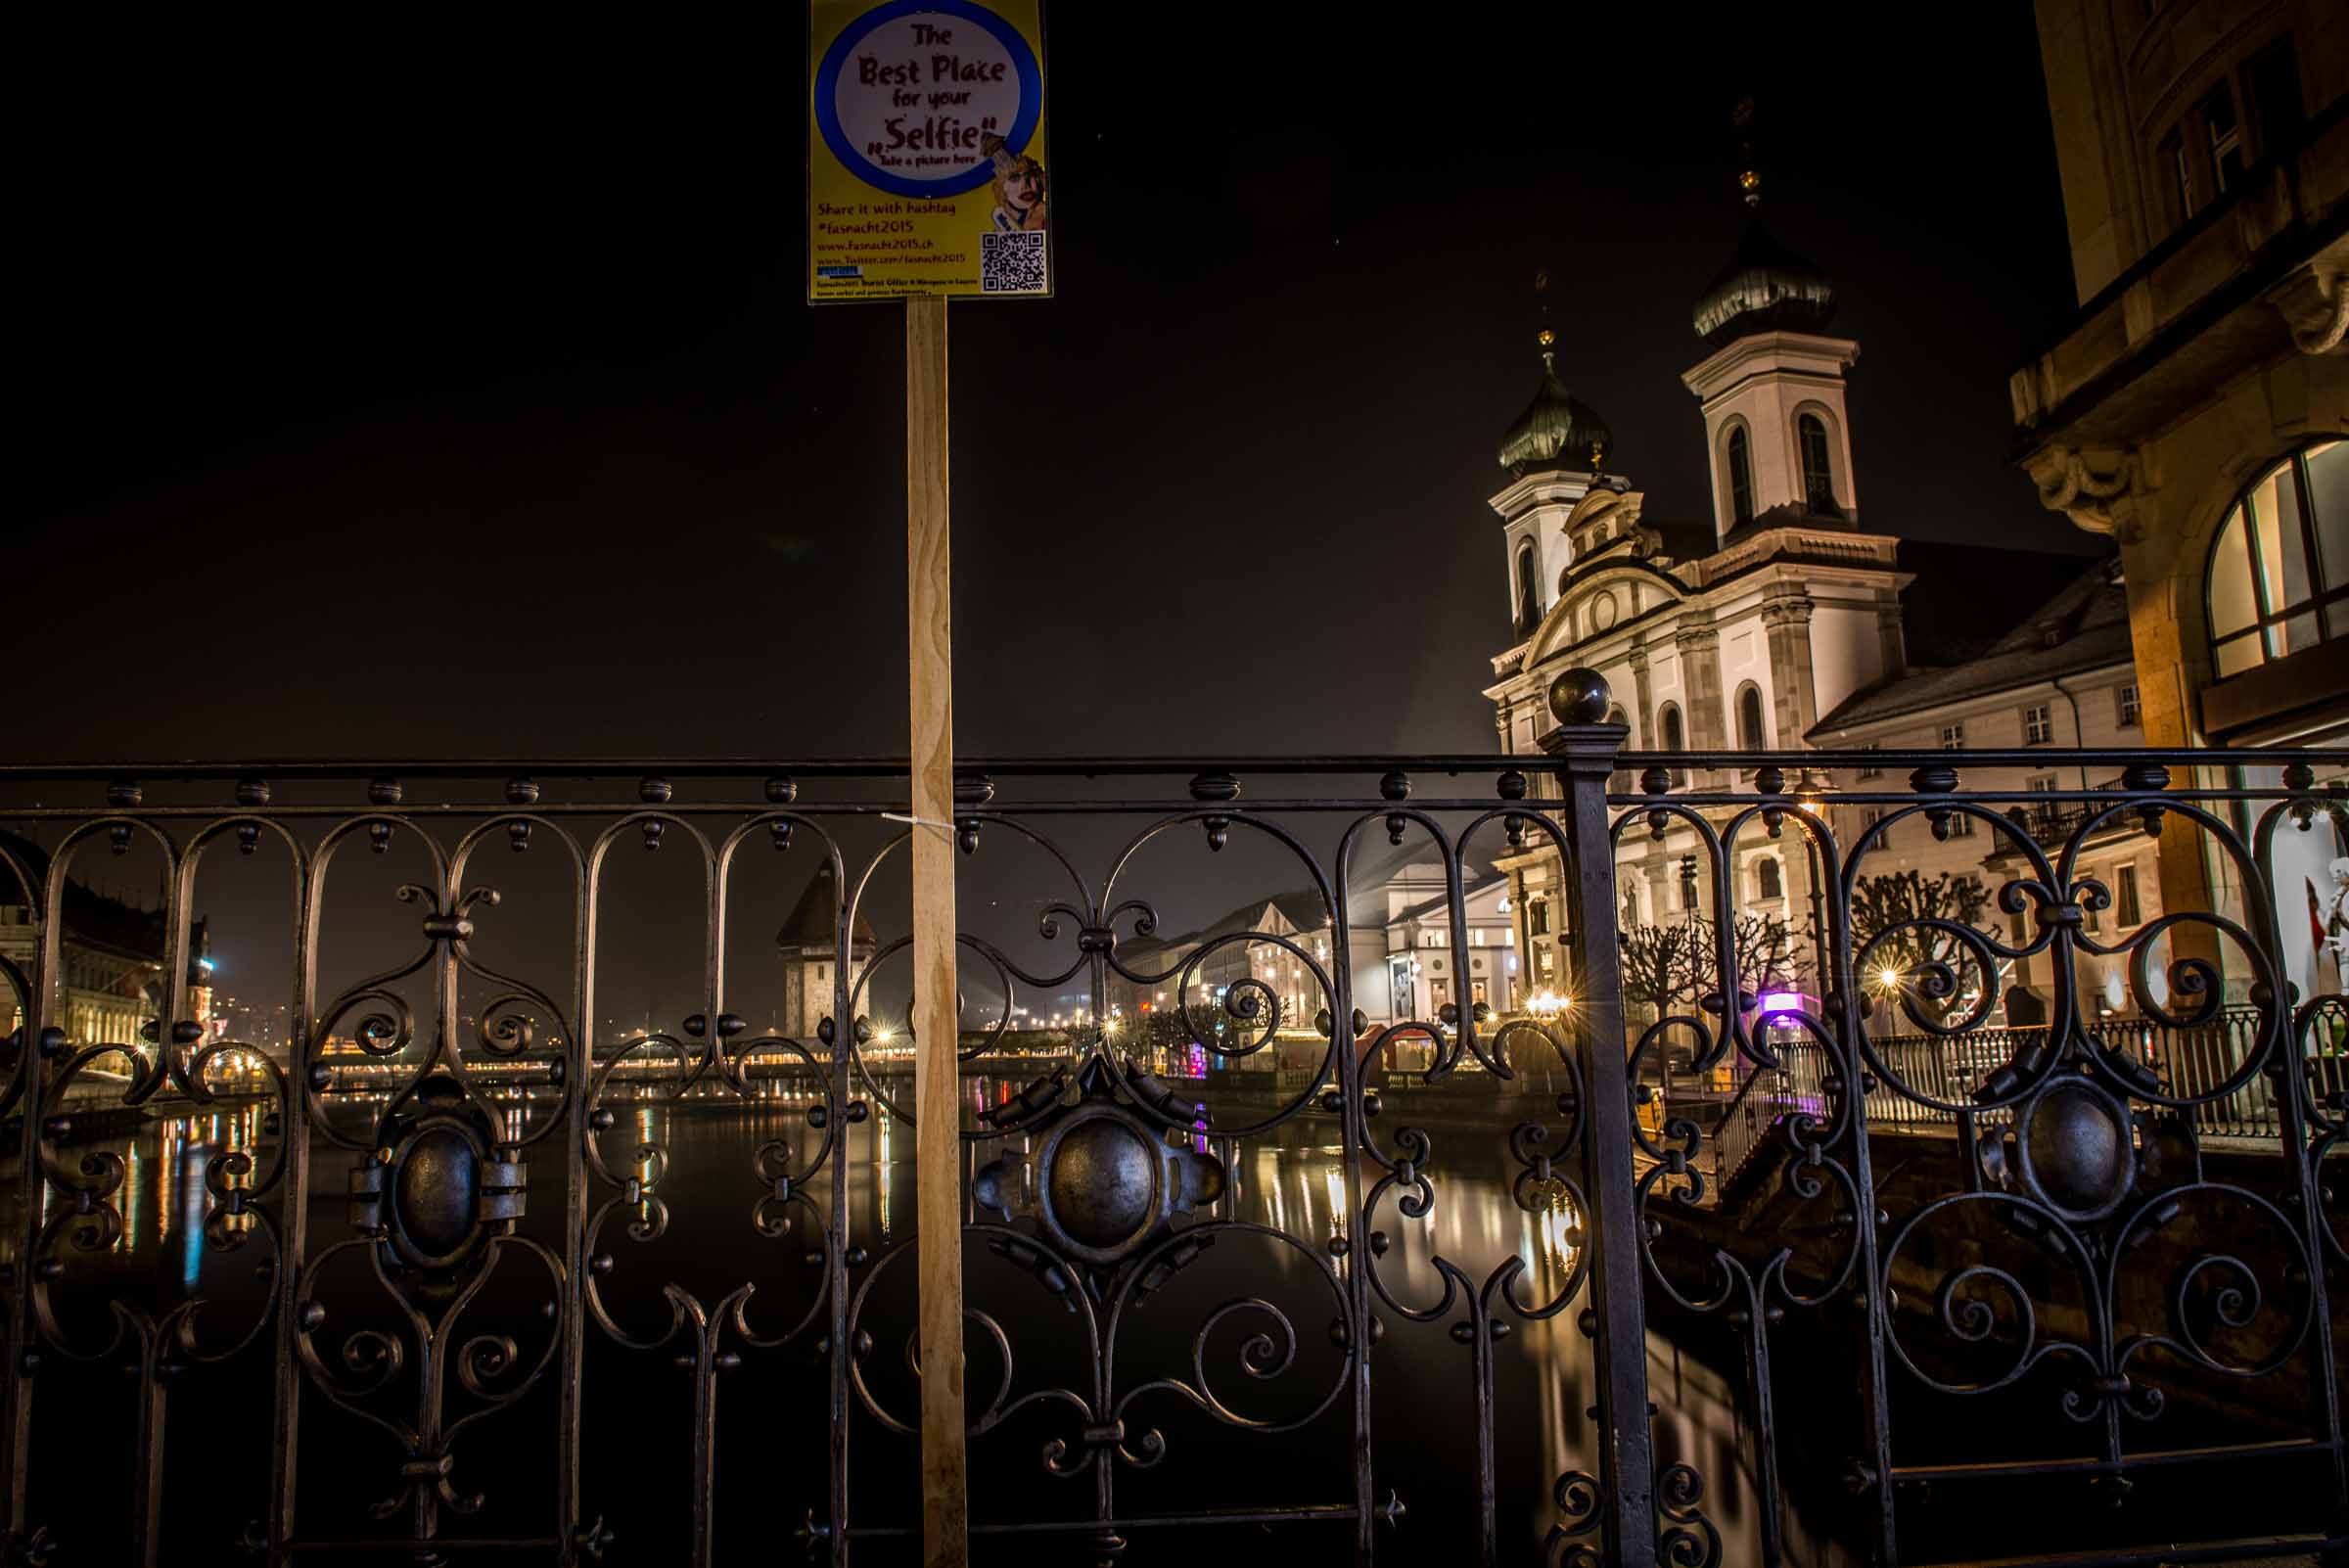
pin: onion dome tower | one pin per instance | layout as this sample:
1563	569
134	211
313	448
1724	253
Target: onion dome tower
1765	284
1556	453
1557	429
1772	382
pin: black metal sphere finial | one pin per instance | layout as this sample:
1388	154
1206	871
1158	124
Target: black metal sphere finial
1580	697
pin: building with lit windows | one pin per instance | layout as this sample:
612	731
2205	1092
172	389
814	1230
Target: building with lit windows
2064	677
1737	632
1407	964
111	959
2193	410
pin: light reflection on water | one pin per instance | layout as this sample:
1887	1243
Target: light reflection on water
1291	1180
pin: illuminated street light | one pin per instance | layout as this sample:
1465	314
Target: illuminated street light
1547	1004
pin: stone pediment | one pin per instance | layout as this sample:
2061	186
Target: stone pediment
1596	599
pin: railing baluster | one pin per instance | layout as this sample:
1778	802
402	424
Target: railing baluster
1585	751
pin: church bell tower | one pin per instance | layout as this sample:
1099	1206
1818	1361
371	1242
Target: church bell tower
1772	382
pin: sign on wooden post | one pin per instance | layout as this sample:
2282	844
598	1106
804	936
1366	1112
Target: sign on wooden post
927	181
926	167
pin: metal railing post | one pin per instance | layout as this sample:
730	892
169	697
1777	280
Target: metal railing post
1585	750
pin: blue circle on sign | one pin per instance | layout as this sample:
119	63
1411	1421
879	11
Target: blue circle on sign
827	95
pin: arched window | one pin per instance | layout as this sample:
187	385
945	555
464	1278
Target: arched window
2279	566
1671	737
1818	470
1751	736
1529	590
1767	875
1741	477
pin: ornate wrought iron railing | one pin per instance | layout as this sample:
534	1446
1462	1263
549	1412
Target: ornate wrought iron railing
2195	1064
487	1302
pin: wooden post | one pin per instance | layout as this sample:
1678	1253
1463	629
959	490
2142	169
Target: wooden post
936	1099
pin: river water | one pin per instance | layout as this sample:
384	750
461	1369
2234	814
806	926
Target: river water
772	1419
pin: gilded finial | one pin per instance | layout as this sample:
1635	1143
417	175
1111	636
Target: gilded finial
1749	177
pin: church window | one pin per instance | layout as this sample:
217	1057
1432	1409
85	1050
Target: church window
1819	482
1668	719
1529	592
1751	735
1768	875
1741	477
2279	566
2127	906
1536	917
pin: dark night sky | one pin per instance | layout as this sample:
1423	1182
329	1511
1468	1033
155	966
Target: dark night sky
430	392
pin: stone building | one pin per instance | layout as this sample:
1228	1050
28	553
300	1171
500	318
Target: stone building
111	958
808	944
1404	965
2191	409
2064	677
1735	633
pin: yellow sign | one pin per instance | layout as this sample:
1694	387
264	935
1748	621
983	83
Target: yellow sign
926	166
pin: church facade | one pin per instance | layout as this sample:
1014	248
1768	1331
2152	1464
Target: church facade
1776	626
1735	635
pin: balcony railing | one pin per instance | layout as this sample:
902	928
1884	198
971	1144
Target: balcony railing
461	1308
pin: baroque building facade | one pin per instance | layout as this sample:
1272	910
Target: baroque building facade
2194	410
1735	635
1776	624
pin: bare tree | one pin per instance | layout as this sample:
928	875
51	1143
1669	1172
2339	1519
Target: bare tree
1671	968
1659	965
1897	912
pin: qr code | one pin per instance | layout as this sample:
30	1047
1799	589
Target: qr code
1011	263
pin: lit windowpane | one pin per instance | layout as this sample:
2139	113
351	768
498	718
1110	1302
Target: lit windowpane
2231	606
2276	546
2239	655
2329	496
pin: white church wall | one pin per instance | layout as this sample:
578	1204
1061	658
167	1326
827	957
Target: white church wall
1745	661
1847	654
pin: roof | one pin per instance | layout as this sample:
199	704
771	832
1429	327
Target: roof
92	918
2084	626
1470	887
1556	429
1304	911
1947	618
813	920
1764	286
